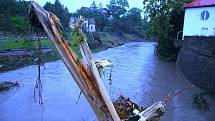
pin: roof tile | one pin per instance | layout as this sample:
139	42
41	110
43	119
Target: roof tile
199	3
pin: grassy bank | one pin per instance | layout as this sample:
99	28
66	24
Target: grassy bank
23	43
17	60
107	39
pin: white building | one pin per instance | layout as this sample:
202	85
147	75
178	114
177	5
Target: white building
199	18
89	24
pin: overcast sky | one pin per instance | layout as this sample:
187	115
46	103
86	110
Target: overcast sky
73	5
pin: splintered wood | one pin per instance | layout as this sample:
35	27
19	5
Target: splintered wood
88	81
86	74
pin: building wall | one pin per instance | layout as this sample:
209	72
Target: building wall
196	59
194	25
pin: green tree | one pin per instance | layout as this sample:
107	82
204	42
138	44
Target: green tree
19	23
117	9
93	12
13	14
165	19
84	11
7	9
134	19
60	11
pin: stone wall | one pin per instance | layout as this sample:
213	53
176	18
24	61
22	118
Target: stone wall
196	60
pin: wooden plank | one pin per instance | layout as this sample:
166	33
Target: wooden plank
92	67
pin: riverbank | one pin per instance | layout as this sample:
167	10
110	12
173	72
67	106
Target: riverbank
14	53
105	40
12	59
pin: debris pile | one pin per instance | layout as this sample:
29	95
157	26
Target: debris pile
130	111
125	107
8	85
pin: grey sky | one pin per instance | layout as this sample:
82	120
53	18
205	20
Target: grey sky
73	5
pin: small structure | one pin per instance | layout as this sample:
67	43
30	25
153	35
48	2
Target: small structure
196	57
199	18
72	21
89	24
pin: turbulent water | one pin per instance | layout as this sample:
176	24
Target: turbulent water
137	74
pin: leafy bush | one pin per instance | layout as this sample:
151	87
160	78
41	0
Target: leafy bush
166	19
200	102
19	23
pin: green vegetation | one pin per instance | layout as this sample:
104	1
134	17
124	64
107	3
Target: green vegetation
60	11
20	24
14	44
77	38
120	18
13	16
105	37
200	102
166	19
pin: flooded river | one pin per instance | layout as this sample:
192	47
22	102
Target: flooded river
137	74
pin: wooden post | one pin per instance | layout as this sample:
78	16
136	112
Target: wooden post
90	84
92	67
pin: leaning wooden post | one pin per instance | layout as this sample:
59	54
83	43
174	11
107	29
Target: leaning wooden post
90	85
102	89
86	53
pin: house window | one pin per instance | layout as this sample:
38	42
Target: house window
204	31
91	28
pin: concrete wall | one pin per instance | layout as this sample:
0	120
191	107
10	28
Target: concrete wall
196	60
198	23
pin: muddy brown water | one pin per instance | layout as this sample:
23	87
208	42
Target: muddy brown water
137	74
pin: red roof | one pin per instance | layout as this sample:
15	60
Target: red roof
200	3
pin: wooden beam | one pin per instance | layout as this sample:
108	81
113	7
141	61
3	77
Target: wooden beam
92	67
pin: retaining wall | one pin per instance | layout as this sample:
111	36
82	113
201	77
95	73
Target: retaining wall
196	60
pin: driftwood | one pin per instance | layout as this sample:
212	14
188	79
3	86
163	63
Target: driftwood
152	113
